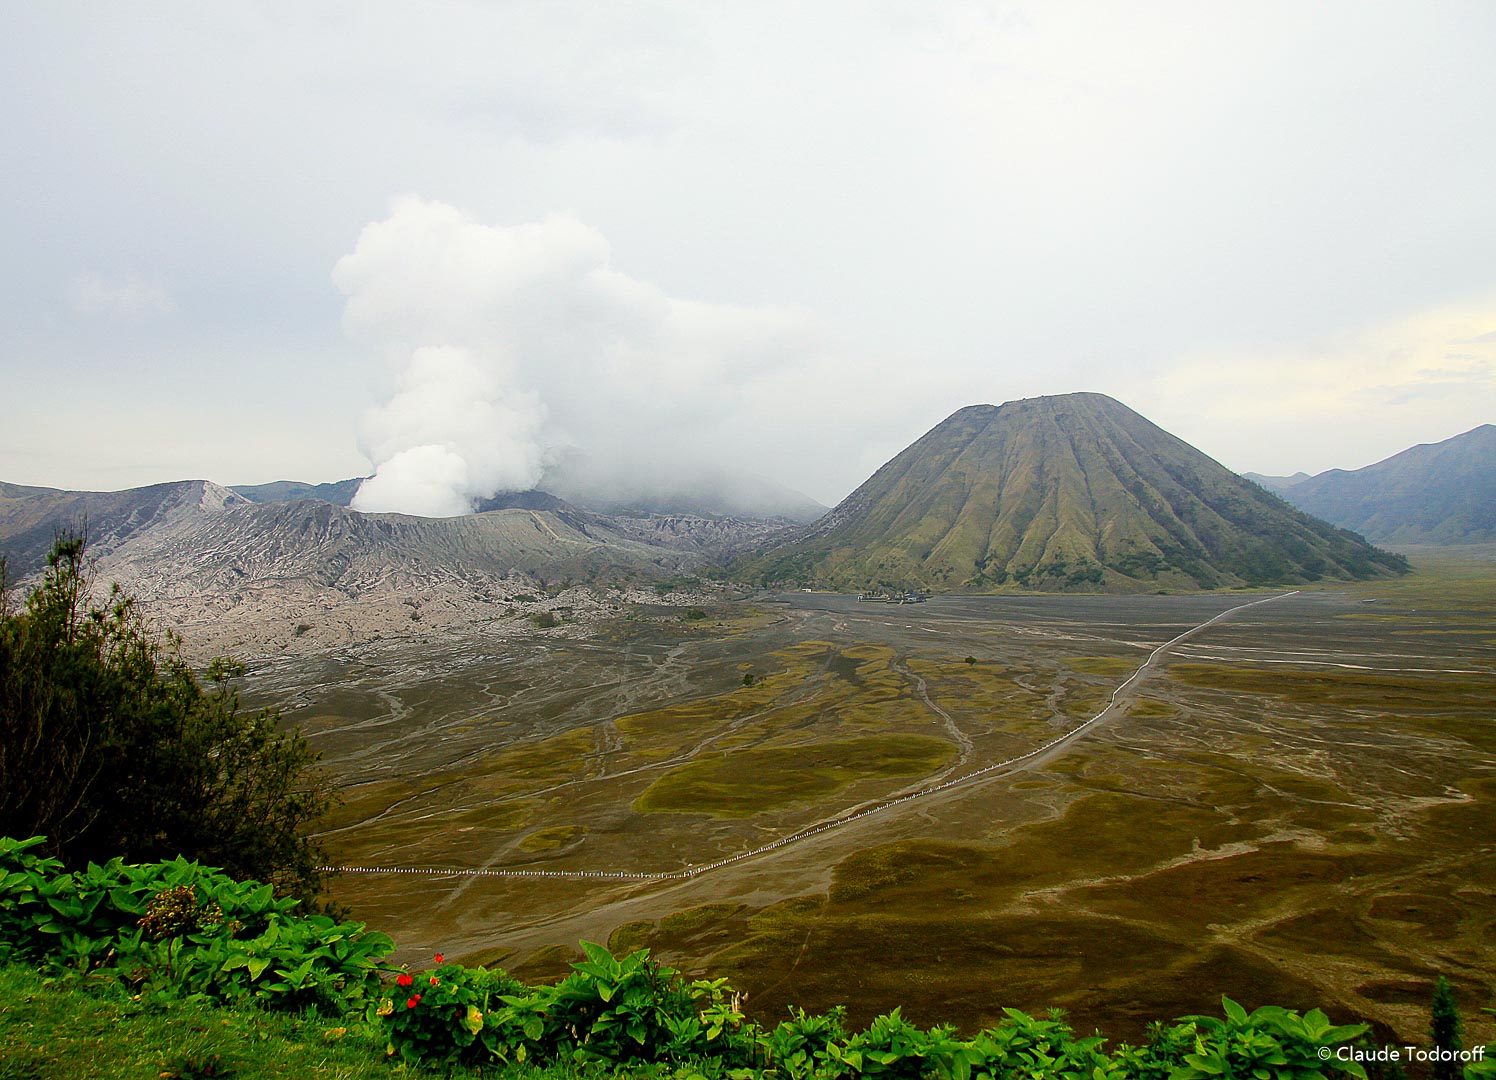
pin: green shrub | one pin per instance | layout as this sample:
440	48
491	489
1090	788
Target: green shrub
1269	1042
180	929
609	1010
110	744
1026	1046
447	1015
800	1047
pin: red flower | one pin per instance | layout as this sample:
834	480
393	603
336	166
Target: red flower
434	980
411	1004
440	958
403	979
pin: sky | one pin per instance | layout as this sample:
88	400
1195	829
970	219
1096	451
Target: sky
452	242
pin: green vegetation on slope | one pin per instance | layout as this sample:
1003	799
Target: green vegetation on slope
1069	493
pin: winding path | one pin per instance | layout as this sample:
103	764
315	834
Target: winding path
1119	697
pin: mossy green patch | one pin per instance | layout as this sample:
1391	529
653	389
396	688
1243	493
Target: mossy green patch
982	694
1347	689
1149	708
557	836
1111	667
631	936
751	780
65	1027
692	920
543	761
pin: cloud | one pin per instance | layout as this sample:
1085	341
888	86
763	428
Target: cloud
93	296
510	344
451	434
1381	387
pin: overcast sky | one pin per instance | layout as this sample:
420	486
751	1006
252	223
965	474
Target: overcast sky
303	240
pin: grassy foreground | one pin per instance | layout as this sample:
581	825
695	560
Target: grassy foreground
68	1026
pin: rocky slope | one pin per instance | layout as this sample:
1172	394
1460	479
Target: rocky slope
260	578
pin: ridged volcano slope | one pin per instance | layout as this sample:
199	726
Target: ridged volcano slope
1076	492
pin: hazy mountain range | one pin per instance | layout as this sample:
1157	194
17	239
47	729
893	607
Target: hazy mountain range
1434	493
590	485
1067	493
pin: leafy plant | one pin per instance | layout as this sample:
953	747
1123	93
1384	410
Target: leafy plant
110	744
447	1015
1026	1046
180	929
1446	1029
800	1046
1269	1042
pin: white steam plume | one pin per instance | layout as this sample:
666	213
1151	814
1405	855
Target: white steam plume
508	343
513	344
451	434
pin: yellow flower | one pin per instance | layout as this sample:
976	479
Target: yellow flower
474	1020
386	1007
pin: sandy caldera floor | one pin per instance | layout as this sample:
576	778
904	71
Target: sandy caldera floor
1297	805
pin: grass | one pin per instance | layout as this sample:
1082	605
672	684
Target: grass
558	836
1102	882
1348	690
755	779
60	1027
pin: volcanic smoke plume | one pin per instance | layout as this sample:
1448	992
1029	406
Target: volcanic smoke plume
508	346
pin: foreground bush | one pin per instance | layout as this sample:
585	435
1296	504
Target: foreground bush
180	929
177	932
111	745
634	1013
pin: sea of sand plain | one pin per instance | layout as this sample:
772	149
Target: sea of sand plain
1296	805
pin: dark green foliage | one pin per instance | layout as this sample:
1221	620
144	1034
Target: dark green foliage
110	745
1446	1030
1268	1042
178	935
800	1047
179	929
442	1017
635	1013
609	1010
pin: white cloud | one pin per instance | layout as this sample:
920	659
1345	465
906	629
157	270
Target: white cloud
93	296
977	200
451	434
512	342
1378	389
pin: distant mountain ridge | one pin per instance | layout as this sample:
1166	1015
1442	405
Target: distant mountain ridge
1433	493
339	492
1277	484
702	493
307	575
31	516
1074	492
193	525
